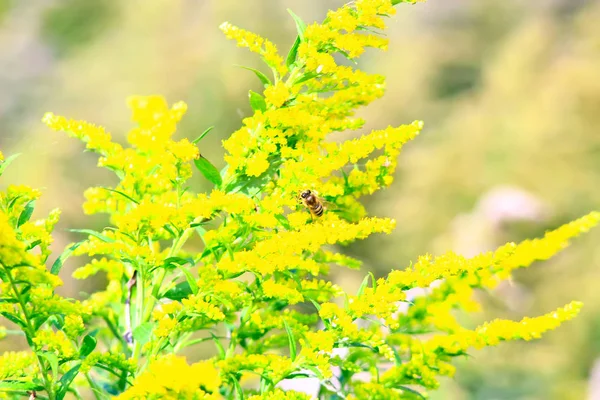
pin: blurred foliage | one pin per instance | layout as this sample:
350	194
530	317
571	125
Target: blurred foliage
4	8
509	92
71	24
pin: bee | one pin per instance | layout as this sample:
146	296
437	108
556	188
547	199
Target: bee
312	202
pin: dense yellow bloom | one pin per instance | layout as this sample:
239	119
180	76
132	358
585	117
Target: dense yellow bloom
96	137
17	365
256	44
56	342
491	333
172	377
244	267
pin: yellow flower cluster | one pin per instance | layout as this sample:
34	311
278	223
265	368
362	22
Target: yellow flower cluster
55	341
462	275
113	360
257	44
171	377
254	282
491	333
279	394
18	365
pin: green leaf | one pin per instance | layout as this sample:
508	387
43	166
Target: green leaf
128	197
181	291
12	318
218	345
365	284
317	305
90	232
199	138
283	221
293	53
257	102
411	391
12	202
58	263
291	339
33	244
263	78
52	360
238	389
300	25
307	77
142	333
190	279
65	381
88	345
175	262
26	213
7	161
209	171
19	385
374	281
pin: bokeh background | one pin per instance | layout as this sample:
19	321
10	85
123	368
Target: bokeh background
509	91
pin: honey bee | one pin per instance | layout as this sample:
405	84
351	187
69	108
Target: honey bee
312	202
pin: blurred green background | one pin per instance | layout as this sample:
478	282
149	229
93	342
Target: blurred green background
509	92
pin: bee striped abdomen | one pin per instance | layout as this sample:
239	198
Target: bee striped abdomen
318	210
311	201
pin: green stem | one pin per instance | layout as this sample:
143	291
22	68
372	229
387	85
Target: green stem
30	333
113	329
93	386
139	311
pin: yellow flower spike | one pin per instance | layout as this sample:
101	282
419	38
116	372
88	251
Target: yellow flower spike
255	44
96	137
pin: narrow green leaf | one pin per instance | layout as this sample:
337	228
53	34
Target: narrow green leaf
26	213
19	385
88	345
65	381
209	171
307	77
283	221
12	202
363	285
300	25
128	197
262	77
33	244
13	318
190	279
293	53
181	291
374	281
199	138
90	232
174	262
317	305
257	102
411	391
52	360
58	263
143	333
291	339
219	346
196	341
7	161
238	389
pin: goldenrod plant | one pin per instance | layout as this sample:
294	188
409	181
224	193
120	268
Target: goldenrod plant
245	267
